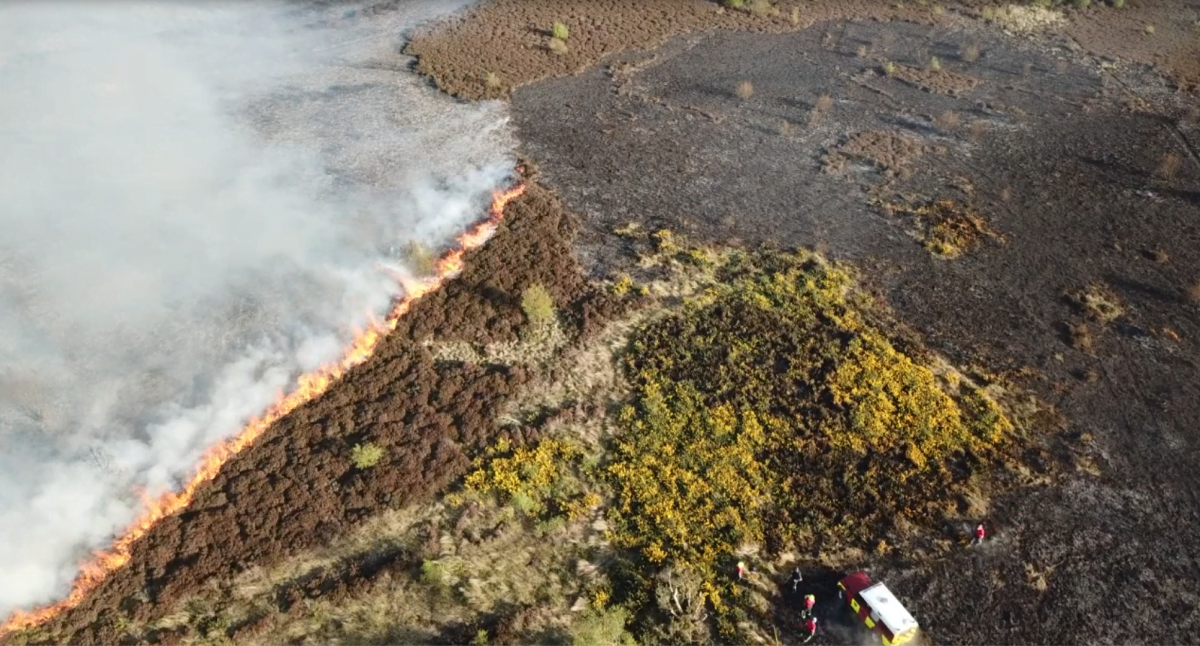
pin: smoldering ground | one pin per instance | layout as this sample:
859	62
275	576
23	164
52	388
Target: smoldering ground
195	201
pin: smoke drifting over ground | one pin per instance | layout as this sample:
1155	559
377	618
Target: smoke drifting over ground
195	202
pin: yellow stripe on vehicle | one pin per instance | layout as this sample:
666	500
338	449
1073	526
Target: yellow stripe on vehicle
869	622
854	604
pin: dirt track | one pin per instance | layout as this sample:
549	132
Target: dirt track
1060	165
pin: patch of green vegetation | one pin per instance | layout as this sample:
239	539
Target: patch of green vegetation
537	304
560	31
32	635
770	411
433	573
541	481
213	626
622	285
366	455
602	627
420	259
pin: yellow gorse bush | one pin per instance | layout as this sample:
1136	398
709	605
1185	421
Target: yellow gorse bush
771	410
688	482
542	474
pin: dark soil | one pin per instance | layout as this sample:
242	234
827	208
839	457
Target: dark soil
297	488
1064	162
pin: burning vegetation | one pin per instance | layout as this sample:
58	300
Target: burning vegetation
308	388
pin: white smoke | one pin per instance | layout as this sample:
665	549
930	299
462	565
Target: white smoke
194	204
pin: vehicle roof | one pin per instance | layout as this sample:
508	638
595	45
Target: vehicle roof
855	583
888	608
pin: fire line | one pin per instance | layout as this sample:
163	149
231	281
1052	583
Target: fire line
308	387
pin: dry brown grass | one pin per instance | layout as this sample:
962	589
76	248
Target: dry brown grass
745	90
1037	578
761	8
1169	165
1081	337
948	120
969	53
1098	302
1193	293
978	128
558	46
823	104
1159	255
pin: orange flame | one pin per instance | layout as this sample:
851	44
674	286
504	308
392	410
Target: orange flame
308	387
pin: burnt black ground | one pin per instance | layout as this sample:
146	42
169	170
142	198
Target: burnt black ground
1064	166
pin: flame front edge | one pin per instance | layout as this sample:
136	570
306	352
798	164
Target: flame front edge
308	387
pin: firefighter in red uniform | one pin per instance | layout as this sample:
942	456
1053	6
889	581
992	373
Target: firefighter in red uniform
809	602
980	533
810	625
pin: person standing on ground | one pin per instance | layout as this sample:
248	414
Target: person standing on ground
741	570
810	625
797	577
809	602
980	534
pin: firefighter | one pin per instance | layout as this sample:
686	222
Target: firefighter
980	534
809	602
741	570
810	625
797	577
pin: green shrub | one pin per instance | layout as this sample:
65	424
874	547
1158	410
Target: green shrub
433	573
602	628
537	304
560	31
366	455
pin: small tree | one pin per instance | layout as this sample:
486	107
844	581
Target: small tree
366	455
537	304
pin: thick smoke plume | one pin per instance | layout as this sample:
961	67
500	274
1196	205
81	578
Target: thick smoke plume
196	202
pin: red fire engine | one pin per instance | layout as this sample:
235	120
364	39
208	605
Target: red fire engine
879	609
